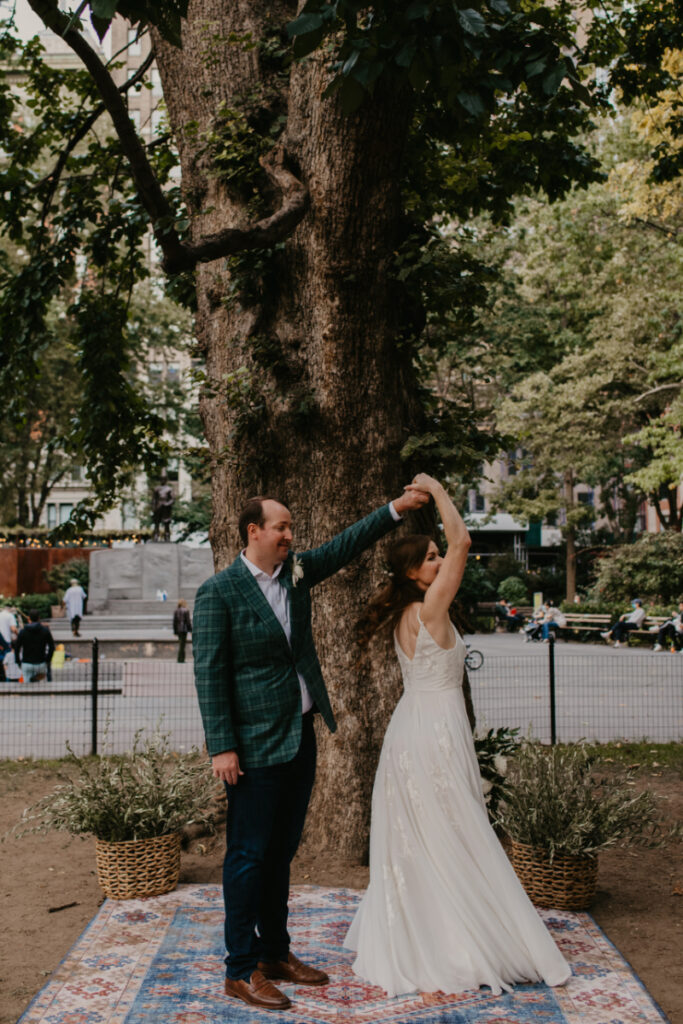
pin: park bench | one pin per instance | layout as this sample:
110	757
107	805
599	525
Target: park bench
593	623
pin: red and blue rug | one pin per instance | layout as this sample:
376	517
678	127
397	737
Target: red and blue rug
161	960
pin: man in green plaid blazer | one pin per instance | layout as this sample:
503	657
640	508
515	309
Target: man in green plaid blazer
259	683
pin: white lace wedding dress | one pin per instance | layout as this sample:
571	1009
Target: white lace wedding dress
444	910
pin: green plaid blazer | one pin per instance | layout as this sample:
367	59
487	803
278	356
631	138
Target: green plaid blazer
246	671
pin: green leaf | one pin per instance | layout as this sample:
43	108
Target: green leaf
104	9
535	67
304	24
351	95
472	22
404	57
305	44
101	26
553	80
472	102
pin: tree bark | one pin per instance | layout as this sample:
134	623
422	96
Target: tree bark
310	391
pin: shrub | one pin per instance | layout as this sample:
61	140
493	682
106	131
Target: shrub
149	792
502	565
493	750
651	568
476	585
59	577
27	602
557	802
514	590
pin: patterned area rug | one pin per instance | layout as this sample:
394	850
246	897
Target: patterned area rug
161	960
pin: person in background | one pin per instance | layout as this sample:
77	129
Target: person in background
622	627
182	625
671	631
73	602
533	628
8	633
553	620
512	619
34	648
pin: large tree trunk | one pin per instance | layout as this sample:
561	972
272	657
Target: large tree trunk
310	394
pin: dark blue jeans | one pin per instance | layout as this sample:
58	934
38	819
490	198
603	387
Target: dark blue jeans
266	813
621	630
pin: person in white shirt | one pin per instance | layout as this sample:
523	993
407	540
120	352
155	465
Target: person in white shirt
671	630
73	602
8	633
8	625
622	627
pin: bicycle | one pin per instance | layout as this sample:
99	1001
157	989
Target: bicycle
473	659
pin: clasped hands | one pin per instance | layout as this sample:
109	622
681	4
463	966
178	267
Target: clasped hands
416	494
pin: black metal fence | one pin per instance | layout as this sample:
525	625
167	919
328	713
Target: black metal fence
97	707
566	693
551	693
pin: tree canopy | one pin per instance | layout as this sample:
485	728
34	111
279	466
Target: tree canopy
498	106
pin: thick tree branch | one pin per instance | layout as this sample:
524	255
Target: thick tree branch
177	255
55	174
262	235
149	189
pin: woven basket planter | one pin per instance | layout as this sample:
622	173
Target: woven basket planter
568	883
139	867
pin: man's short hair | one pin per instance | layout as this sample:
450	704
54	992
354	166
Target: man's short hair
252	512
34	615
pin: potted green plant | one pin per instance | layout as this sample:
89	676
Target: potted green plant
494	749
136	806
559	811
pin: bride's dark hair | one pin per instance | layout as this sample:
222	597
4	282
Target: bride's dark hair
385	607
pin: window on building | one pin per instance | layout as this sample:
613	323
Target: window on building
134	115
134	43
585	497
172	468
173	372
51	516
65	510
155	81
76	474
155	372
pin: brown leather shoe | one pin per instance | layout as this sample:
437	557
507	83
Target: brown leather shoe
258	991
293	971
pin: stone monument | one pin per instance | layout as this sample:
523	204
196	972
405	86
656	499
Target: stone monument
138	574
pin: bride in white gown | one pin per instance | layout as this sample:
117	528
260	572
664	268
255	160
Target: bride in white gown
444	910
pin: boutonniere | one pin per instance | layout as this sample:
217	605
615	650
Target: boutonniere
297	571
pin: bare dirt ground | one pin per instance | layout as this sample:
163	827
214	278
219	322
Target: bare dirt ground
50	893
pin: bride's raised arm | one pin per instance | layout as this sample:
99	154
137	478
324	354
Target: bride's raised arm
445	586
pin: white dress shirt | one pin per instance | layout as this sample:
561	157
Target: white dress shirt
277	597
